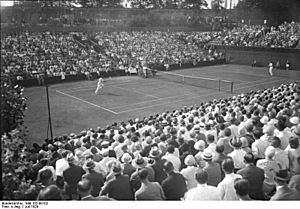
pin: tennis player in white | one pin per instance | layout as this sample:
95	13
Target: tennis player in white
99	85
271	68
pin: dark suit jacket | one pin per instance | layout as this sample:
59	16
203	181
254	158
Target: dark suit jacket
97	180
256	178
174	186
286	193
157	166
118	188
72	176
219	158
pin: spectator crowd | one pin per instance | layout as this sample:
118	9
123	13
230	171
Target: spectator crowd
30	55
286	35
244	147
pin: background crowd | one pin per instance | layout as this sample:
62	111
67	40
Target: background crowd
30	55
245	147
286	35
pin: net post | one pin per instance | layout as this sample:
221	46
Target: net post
231	89
219	85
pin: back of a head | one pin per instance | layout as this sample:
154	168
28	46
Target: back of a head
201	176
228	165
276	142
220	148
51	192
227	132
241	187
257	133
45	175
84	186
143	173
249	158
168	167
210	138
171	149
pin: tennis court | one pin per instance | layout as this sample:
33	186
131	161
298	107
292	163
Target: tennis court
74	106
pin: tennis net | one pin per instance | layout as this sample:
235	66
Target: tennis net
210	83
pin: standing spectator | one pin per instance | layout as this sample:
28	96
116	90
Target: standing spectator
259	146
174	185
157	166
202	191
128	168
219	158
148	190
255	176
226	186
270	167
241	187
118	188
281	156
294	154
72	176
96	179
283	192
140	162
237	154
213	169
225	141
190	171
170	156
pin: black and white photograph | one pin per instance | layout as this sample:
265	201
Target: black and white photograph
169	103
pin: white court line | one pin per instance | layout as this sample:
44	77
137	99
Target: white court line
134	109
139	92
252	82
274	81
94	86
154	100
140	108
86	102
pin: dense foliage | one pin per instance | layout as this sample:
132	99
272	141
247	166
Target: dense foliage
13	105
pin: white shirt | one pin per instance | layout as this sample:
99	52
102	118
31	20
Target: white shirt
189	176
237	156
174	160
202	192
60	166
226	187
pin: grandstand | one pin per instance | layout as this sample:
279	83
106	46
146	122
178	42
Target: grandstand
188	110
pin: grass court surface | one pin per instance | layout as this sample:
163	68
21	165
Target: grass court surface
74	106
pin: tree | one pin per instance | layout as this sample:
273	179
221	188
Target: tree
13	105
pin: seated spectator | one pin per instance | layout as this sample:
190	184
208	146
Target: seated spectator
190	171
84	189
241	187
283	192
118	188
96	179
51	192
226	186
202	191
174	185
213	169
255	177
148	190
